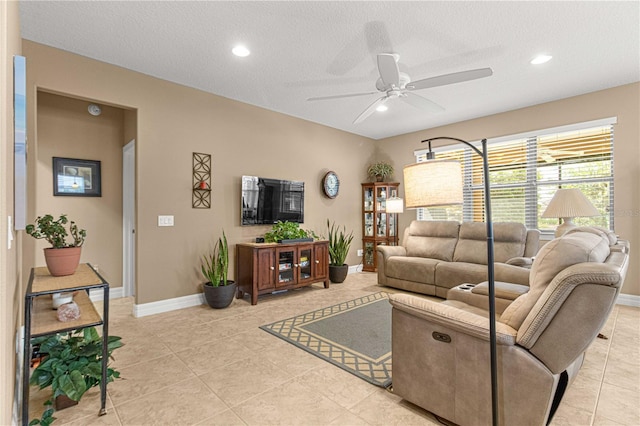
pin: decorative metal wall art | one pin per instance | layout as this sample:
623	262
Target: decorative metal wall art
201	185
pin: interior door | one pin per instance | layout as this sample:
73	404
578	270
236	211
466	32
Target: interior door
129	218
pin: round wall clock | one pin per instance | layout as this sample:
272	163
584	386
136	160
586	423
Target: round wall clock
331	184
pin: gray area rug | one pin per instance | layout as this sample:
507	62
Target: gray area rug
354	335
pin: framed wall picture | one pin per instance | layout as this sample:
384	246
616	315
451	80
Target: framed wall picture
78	178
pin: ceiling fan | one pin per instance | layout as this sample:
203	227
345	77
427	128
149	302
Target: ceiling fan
398	85
549	155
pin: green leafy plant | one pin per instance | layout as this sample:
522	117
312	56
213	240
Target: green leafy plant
287	231
54	231
215	267
71	365
339	243
380	169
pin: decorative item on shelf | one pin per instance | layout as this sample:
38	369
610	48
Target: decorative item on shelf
71	365
567	204
339	244
201	187
218	290
58	299
380	171
288	232
331	184
437	183
62	258
68	312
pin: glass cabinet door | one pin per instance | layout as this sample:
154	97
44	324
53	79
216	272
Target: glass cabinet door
304	263
368	224
368	199
381	224
392	225
381	198
286	271
369	253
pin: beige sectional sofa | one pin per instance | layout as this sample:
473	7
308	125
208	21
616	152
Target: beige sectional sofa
441	349
438	255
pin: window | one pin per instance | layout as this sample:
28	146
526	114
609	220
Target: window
526	170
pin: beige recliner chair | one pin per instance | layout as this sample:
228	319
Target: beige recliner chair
441	354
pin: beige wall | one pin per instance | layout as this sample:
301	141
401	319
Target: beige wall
174	121
10	290
66	129
622	102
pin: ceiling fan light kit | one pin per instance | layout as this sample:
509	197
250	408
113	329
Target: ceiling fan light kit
398	85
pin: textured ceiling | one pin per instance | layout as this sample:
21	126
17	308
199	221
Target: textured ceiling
307	49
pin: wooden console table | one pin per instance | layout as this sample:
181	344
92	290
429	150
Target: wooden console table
267	267
41	320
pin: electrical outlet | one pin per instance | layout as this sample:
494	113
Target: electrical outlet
360	252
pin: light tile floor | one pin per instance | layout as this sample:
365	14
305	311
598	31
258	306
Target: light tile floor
200	366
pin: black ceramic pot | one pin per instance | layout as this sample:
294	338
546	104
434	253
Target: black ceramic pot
338	274
221	296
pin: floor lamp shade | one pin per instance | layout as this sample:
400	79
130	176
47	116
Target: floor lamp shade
433	183
395	205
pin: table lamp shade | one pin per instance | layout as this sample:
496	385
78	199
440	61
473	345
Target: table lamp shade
567	204
570	203
395	205
433	183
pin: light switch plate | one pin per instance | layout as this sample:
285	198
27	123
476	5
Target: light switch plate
165	220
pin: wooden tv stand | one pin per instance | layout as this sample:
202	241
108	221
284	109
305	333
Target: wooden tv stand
263	268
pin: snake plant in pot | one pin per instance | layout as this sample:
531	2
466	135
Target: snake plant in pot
62	257
218	290
339	244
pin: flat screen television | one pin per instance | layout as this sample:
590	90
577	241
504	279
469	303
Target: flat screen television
266	201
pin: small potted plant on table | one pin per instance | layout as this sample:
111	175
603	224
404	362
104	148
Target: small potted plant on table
218	290
62	258
339	244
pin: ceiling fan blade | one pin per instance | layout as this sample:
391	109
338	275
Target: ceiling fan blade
370	109
420	102
388	68
443	80
349	95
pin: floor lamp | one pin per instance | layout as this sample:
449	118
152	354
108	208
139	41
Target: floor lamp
439	182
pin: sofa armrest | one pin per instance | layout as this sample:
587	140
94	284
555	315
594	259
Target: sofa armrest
453	318
524	262
388	251
503	290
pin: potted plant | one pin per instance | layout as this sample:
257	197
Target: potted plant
62	258
218	290
288	232
339	243
380	171
71	363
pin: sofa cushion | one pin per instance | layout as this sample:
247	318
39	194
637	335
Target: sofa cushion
416	269
554	257
509	241
432	239
451	274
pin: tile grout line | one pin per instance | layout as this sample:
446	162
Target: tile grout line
606	361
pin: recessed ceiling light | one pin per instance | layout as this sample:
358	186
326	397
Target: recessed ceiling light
541	59
240	51
382	108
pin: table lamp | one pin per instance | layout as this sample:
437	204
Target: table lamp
567	204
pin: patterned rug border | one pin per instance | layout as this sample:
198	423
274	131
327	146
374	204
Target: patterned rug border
377	372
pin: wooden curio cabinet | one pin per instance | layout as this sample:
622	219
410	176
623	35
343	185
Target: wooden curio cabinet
378	226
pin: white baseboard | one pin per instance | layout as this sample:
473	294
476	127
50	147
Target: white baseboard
628	300
96	294
168	305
